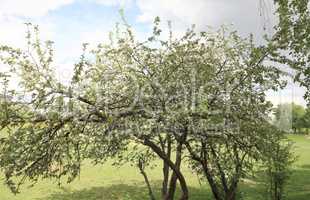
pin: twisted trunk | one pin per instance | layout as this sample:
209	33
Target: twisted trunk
166	168
175	169
174	178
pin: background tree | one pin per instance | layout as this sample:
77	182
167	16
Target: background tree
298	113
277	160
283	117
292	39
290	116
306	120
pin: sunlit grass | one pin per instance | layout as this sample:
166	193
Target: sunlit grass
125	183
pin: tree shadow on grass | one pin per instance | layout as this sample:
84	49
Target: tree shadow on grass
299	184
298	188
123	192
305	166
113	192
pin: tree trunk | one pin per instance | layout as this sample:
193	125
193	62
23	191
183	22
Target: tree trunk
178	173
166	169
164	190
231	196
232	193
201	159
174	178
146	180
213	186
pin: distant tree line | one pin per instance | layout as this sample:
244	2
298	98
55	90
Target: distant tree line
292	117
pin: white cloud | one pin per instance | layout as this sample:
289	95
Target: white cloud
14	13
121	3
30	8
244	14
11	31
95	37
14	31
186	12
292	93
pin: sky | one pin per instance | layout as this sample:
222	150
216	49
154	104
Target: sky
69	23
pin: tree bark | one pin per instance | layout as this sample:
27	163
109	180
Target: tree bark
214	187
146	180
162	155
166	168
206	171
174	178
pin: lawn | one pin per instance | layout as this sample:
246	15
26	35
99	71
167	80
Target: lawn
125	183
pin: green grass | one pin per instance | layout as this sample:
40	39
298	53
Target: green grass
125	183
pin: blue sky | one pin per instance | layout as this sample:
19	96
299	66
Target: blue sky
69	23
84	21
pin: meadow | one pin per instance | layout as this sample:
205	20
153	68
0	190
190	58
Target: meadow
107	182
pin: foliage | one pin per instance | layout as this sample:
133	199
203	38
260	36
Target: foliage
306	119
277	164
200	96
292	38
